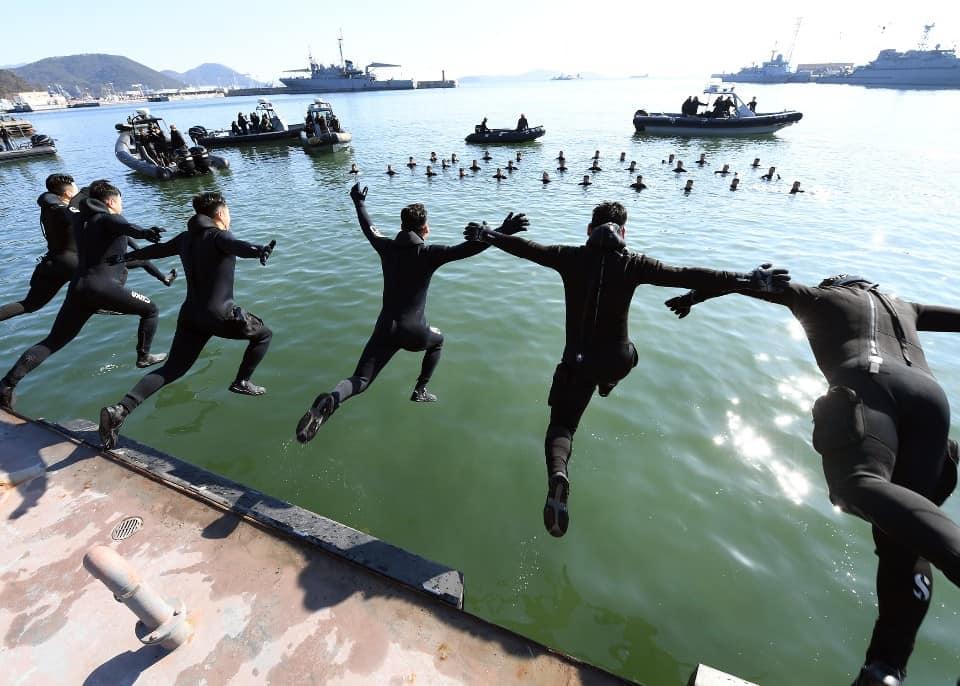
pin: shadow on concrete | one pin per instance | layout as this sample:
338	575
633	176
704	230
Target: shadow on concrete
125	668
229	521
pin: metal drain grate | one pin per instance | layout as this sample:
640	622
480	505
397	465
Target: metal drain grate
127	528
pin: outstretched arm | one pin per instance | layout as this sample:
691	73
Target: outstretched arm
546	255
153	252
792	295
227	243
122	227
937	318
359	198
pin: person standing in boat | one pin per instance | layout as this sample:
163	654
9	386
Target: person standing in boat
753	104
242	123
482	126
265	124
5	135
599	280
176	138
334	123
522	124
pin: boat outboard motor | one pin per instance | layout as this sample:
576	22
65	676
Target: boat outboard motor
185	163
196	133
201	158
39	140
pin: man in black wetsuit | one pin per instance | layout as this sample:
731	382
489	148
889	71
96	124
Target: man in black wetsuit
522	124
408	264
59	264
881	430
97	285
599	279
209	255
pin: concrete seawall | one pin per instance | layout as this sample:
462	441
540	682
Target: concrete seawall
276	594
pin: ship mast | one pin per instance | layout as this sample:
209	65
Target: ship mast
793	43
922	45
340	41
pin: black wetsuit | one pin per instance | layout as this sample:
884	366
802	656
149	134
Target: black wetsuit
209	256
883	442
599	279
97	285
408	265
55	268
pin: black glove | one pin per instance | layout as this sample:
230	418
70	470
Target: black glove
266	251
478	232
358	196
153	234
514	224
682	304
768	280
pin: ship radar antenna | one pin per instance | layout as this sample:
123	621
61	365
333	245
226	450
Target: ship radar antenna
927	28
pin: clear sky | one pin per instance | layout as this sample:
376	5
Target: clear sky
612	37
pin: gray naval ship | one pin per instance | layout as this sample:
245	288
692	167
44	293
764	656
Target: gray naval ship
774	70
343	77
920	68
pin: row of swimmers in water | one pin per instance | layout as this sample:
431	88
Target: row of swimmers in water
638	185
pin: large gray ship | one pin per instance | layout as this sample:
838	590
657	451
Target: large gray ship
921	68
343	77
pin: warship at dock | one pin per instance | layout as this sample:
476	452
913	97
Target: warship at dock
343	77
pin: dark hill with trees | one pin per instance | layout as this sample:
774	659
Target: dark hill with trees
10	84
91	72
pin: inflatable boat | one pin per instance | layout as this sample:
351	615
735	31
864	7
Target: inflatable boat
505	135
322	132
144	145
39	145
279	131
741	121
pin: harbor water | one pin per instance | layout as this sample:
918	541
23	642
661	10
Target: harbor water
700	525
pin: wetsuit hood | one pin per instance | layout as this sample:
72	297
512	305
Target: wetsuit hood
606	238
847	280
200	222
48	200
407	237
92	206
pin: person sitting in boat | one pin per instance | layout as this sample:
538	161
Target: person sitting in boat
486	156
433	157
545	179
265	124
499	175
735	182
430	171
753	104
795	188
687	106
638	185
772	172
160	146
482	127
756	163
510	166
688	187
176	138
522	124
355	170
242	123
633	166
475	167
334	123
5	136
390	171
595	167
322	127
703	159
234	129
254	123
723	171
586	181
679	168
718	107
310	128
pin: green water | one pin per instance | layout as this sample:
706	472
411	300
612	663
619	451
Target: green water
701	531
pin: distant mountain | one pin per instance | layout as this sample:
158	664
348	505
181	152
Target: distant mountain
91	72
10	83
211	74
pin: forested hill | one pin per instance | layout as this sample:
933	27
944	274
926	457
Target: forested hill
91	72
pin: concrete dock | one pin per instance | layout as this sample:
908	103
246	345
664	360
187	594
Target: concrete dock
274	594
